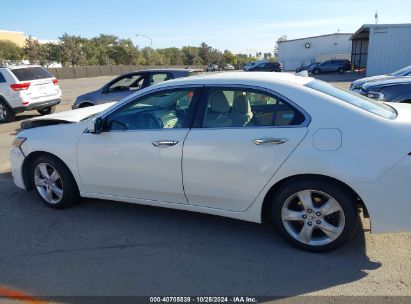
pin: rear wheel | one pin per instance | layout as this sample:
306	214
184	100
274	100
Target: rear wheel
47	111
6	114
314	216
341	70
54	183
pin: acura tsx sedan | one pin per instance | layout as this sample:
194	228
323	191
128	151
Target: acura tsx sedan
291	151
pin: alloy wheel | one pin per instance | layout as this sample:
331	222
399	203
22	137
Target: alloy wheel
48	183
313	217
3	112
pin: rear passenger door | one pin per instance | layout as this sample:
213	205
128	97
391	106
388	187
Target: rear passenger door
240	138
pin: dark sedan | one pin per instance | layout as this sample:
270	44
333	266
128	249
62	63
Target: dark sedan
266	67
404	72
389	90
128	84
307	67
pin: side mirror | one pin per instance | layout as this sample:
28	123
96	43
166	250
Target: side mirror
95	126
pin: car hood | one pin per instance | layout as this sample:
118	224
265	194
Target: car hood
65	117
403	111
358	83
386	82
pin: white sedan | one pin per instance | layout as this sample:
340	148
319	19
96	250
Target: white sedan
293	151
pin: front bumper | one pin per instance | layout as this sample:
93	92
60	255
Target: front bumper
16	160
38	105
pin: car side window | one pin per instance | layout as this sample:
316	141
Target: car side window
159	77
2	79
248	108
162	110
127	83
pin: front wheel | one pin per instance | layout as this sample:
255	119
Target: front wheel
47	111
54	183
316	71
314	216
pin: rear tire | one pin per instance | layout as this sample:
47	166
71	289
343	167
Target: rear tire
47	111
6	113
341	70
53	182
315	216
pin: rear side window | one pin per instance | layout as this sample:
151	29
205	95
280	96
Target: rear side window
25	74
2	79
248	108
365	103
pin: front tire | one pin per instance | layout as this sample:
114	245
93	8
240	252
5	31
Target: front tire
316	71
47	111
314	215
54	183
6	114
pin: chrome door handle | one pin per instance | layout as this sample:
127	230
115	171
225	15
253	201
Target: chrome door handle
165	143
273	141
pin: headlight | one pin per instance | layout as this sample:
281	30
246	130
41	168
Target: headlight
18	141
375	95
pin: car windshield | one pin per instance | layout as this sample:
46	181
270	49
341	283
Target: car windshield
365	103
403	72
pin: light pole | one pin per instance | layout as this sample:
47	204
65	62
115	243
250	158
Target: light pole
151	40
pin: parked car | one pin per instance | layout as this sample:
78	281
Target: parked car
331	66
129	83
266	67
213	68
307	67
228	67
251	64
252	146
27	88
404	72
397	89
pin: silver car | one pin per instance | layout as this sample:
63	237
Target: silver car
129	83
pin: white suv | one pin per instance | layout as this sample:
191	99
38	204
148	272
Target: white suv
26	88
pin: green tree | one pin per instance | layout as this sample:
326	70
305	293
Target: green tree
73	50
9	51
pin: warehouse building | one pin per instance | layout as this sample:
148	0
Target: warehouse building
16	37
304	51
381	48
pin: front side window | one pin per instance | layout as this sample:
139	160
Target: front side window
165	110
365	103
127	83
248	108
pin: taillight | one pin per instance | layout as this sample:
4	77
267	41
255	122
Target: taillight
55	81
20	86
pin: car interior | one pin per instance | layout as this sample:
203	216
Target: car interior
247	109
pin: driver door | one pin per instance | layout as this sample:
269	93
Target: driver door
139	153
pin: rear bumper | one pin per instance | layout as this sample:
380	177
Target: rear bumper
388	201
38	105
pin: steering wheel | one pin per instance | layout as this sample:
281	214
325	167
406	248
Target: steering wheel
147	121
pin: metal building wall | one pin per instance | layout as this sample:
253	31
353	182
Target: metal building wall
389	49
293	53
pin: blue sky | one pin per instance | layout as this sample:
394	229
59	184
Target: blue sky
237	25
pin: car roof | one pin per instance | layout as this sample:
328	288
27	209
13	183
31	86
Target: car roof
242	78
167	70
13	67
